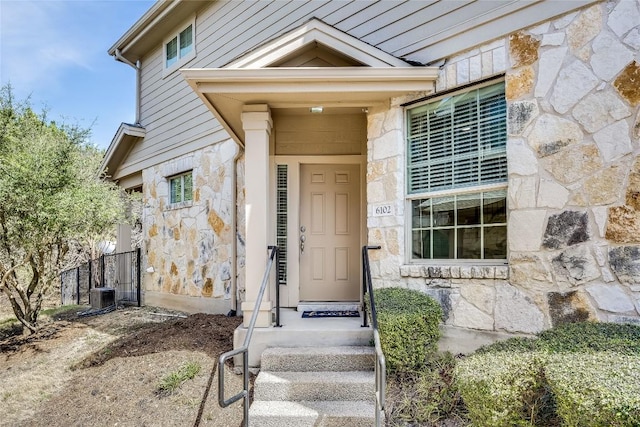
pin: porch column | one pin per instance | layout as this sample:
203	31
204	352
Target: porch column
123	238
257	125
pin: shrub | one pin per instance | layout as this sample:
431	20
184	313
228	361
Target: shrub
597	389
591	336
576	338
516	344
502	388
589	374
408	324
426	396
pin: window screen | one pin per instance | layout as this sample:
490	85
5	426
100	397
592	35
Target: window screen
458	141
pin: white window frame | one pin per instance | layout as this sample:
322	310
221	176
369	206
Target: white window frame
410	197
181	60
182	202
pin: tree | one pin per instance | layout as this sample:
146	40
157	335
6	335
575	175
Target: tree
52	198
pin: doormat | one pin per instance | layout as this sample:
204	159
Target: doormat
332	313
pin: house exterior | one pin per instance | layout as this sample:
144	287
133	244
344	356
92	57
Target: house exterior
490	148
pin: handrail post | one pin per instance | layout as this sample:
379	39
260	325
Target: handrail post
278	325
245	382
244	350
380	367
365	324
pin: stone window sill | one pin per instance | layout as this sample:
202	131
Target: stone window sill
500	272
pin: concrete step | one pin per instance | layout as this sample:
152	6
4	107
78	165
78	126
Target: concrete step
312	413
325	332
305	359
299	386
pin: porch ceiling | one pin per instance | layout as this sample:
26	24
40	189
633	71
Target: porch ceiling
225	91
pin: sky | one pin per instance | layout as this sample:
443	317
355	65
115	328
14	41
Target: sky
55	53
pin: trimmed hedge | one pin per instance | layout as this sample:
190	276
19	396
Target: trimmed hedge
501	389
592	336
598	389
585	374
408	323
576	337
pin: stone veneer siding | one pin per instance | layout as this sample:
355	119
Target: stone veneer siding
573	96
188	245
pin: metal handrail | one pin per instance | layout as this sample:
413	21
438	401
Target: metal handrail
380	368
244	350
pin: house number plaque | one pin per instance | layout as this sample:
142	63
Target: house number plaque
383	210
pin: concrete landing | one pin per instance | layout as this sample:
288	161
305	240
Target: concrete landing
329	306
299	332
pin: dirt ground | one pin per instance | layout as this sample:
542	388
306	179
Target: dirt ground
105	370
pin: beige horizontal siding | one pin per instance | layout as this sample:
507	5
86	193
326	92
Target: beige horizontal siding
175	118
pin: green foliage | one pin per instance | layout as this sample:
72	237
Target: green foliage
586	374
170	383
51	312
592	336
8	321
502	389
52	199
597	389
408	324
576	338
427	396
516	344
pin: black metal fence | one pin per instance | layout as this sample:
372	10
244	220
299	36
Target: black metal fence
119	271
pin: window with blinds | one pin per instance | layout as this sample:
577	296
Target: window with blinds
457	174
281	220
458	141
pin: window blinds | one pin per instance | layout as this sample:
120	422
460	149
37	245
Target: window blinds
458	141
186	41
281	220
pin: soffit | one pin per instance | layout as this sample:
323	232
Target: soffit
227	91
362	76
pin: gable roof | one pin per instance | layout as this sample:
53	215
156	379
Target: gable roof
253	78
123	141
318	32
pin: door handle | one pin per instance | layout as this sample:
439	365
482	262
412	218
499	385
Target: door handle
303	238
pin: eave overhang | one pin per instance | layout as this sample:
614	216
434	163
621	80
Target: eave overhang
123	141
149	31
226	91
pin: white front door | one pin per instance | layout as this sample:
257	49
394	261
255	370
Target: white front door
329	234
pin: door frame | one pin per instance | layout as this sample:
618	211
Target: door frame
290	293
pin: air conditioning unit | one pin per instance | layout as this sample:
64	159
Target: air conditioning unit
102	297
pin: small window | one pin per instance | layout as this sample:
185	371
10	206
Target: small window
179	48
181	188
457	176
